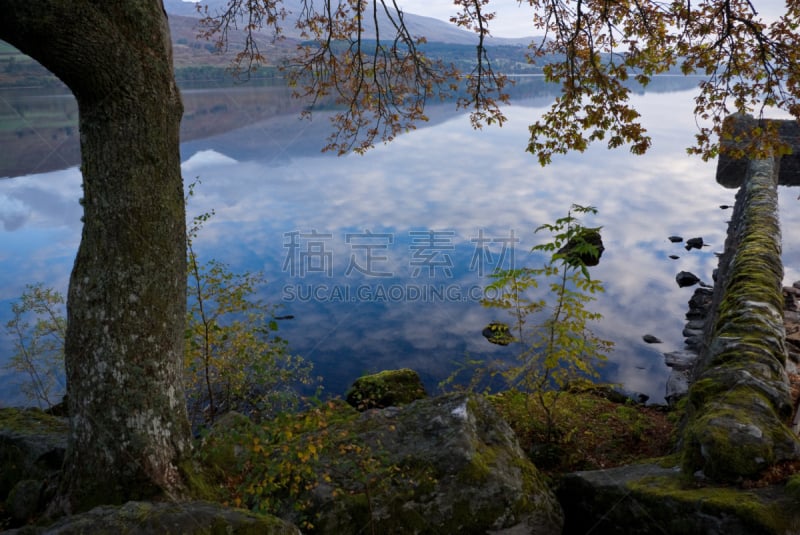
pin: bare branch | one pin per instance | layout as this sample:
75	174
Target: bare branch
376	75
485	87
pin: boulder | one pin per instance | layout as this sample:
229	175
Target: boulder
680	360
701	299
677	386
32	446
696	324
145	518
642	499
459	469
791	295
386	389
688	332
25	501
695	343
792	334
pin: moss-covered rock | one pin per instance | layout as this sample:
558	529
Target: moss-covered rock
145	518
737	436
386	389
793	487
647	498
584	248
24	501
459	469
32	446
498	333
437	465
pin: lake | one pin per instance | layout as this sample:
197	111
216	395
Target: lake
381	258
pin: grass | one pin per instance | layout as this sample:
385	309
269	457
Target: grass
591	431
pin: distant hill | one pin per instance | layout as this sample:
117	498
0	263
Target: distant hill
197	59
434	30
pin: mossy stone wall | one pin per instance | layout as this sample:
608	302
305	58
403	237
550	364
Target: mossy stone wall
739	402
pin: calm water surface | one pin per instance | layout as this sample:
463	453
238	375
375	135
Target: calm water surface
381	258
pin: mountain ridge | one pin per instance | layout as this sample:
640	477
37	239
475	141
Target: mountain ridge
434	30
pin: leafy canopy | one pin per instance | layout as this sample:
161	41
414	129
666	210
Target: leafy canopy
381	79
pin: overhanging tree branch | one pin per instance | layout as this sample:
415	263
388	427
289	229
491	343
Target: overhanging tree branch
380	82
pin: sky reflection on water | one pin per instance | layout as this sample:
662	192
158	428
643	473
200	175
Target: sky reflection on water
444	178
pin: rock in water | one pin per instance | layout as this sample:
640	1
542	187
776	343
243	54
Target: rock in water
585	248
694	243
684	279
675	239
385	389
497	333
650	339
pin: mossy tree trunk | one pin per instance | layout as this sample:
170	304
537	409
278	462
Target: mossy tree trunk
126	304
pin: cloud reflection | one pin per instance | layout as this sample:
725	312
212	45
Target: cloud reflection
451	177
13	212
445	177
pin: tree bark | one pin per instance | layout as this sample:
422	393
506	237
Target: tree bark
127	295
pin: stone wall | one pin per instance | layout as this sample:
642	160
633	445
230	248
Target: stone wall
739	401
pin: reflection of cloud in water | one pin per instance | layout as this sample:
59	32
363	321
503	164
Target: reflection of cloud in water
13	212
450	177
41	247
446	177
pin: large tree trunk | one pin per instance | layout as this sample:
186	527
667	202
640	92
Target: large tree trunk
126	304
